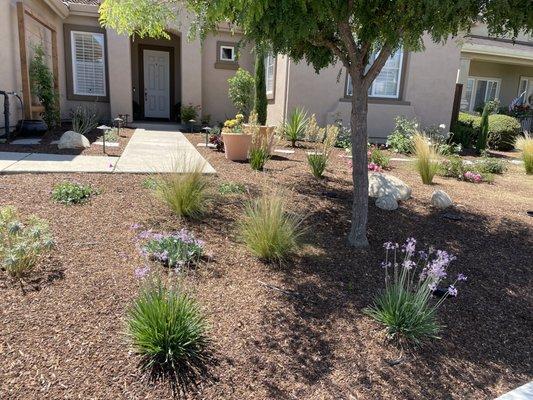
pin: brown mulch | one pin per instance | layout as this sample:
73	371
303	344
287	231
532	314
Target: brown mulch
292	331
46	146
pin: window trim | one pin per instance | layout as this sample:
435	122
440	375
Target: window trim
271	94
526	79
221	49
476	79
221	63
69	66
399	97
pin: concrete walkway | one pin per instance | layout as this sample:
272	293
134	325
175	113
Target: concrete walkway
524	392
148	151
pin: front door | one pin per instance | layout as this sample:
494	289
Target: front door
156	84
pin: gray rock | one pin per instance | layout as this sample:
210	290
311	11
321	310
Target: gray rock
73	140
387	202
440	199
380	185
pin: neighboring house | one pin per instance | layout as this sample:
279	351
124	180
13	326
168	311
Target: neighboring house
495	68
151	78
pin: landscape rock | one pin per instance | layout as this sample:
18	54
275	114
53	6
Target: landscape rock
440	199
73	140
387	202
380	185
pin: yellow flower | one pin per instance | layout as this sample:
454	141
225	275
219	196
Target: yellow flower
239	117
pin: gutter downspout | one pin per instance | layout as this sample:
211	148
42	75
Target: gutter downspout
286	94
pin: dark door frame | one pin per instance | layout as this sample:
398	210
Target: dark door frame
171	73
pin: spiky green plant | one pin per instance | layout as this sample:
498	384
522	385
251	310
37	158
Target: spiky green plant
426	158
168	330
294	128
526	145
269	230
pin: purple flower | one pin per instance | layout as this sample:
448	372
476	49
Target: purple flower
390	245
385	264
452	291
461	277
142	272
135	226
432	286
423	255
408	264
409	246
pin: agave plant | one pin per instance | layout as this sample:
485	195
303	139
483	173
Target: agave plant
294	128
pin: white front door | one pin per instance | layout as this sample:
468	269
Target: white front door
156	84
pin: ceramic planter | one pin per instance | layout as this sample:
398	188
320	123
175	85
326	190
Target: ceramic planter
237	146
267	134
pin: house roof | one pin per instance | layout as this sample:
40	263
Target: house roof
498	47
88	2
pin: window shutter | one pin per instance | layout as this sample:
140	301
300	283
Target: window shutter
88	63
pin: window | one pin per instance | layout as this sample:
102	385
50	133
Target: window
270	66
387	83
227	53
478	91
88	63
525	90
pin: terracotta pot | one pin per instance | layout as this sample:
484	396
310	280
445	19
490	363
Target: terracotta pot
267	134
236	146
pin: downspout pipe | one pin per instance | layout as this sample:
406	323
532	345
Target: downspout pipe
6	114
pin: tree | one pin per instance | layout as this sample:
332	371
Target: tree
241	91
324	32
260	103
42	86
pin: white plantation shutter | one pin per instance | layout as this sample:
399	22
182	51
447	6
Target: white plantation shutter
269	73
88	63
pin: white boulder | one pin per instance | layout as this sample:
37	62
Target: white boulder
380	185
440	199
387	202
73	140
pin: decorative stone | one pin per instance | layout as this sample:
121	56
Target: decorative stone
387	202
440	199
380	185
284	151
73	140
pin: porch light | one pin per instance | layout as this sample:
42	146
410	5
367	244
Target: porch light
104	129
118	124
192	121
207	130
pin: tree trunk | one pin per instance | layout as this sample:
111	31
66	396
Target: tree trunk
357	237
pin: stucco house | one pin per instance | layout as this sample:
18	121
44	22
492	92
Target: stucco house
151	78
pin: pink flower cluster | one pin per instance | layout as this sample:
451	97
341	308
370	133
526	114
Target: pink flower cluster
374	167
473	177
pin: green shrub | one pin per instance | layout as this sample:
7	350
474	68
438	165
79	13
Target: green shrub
269	230
503	131
490	166
377	157
185	194
260	95
84	119
188	112
22	243
231	188
400	140
42	86
294	128
426	158
72	193
167	329
241	91
317	162
111	135
453	167
464	132
258	158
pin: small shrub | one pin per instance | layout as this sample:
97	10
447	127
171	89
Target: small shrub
184	193
21	243
231	188
294	128
344	138
269	230
241	91
111	135
426	158
405	307
188	112
453	167
313	132
258	158
490	166
464	132
149	183
84	119
42	86
377	157
401	138
169	332
503	131
72	193
318	160
175	250
526	145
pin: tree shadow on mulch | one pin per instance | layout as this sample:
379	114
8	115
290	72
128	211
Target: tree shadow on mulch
489	325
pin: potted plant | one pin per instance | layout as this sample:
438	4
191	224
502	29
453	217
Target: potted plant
237	142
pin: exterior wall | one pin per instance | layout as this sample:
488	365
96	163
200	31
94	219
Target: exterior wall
428	91
277	107
509	75
215	101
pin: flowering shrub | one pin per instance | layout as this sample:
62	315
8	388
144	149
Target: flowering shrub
472	177
376	156
216	139
373	167
400	140
405	307
234	125
174	250
72	193
21	244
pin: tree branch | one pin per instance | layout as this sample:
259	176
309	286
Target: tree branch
323	42
376	67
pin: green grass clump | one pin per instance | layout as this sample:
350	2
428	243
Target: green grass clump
317	162
72	193
168	330
21	243
269	230
426	158
490	166
231	188
185	194
258	158
526	145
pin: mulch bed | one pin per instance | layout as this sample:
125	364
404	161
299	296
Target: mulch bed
292	331
46	145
